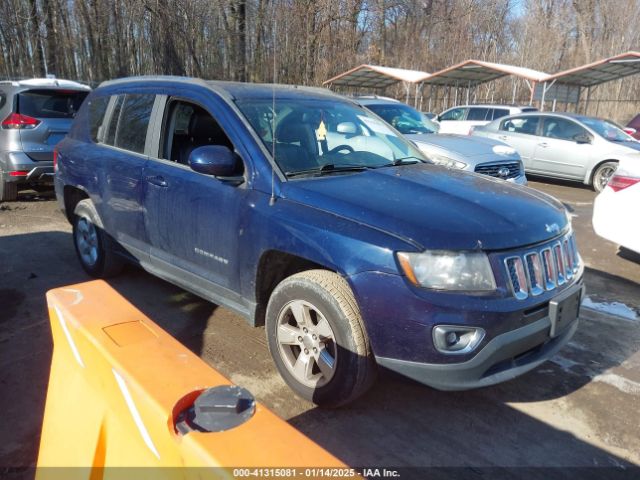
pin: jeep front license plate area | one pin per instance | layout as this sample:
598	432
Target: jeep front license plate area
564	309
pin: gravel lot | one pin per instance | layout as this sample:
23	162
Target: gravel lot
581	409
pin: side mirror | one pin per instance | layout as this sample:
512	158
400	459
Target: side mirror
582	138
347	128
216	160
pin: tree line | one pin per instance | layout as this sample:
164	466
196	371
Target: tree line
307	41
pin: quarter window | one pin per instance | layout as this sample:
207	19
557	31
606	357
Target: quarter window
113	124
97	109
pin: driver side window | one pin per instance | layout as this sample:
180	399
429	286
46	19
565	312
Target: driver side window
188	126
561	129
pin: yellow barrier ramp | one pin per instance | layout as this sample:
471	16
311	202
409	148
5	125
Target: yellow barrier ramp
118	386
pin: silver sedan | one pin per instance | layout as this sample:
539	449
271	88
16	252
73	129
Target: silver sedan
561	145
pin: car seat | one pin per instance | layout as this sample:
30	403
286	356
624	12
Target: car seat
203	130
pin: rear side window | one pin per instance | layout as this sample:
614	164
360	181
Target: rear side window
97	109
476	113
527	125
50	103
454	114
500	112
3	99
129	122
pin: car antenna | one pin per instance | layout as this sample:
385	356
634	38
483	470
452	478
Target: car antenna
272	199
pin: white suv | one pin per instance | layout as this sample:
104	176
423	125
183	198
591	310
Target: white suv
460	119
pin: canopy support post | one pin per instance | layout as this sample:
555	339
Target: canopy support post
586	106
532	88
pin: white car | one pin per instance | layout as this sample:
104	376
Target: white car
461	119
616	207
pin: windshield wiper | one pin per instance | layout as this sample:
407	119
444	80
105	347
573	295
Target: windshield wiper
328	169
404	161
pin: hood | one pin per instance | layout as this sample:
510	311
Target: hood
435	207
461	144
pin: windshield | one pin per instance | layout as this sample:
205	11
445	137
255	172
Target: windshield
606	129
404	118
325	136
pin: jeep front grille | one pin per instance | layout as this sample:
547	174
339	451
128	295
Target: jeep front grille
542	269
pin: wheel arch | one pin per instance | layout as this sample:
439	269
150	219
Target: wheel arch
273	267
588	179
72	196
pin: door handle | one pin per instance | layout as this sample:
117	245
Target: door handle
157	181
543	144
502	137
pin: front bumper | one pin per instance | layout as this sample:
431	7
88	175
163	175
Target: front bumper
518	332
503	358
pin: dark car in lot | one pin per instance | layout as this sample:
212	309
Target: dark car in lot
357	256
35	115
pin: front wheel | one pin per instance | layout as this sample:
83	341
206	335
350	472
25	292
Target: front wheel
93	245
603	174
317	339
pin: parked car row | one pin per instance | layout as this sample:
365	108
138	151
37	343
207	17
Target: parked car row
303	210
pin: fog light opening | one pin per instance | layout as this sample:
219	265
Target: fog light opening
457	340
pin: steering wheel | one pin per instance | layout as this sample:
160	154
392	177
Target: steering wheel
348	148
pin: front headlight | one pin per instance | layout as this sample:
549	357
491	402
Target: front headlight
444	270
442	159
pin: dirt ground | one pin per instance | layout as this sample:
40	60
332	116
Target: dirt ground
581	409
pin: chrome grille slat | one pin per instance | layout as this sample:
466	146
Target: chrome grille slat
541	269
492	169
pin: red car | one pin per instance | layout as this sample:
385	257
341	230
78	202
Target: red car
633	127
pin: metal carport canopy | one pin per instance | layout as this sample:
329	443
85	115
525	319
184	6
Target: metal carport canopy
474	72
606	70
375	76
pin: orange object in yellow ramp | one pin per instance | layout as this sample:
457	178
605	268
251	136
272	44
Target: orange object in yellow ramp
122	392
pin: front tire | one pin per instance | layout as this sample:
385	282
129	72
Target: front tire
93	245
317	338
602	175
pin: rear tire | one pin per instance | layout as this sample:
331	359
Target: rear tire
602	175
8	191
94	247
317	338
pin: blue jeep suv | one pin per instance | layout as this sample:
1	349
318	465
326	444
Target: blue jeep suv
305	212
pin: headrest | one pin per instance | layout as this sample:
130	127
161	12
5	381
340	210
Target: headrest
203	126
